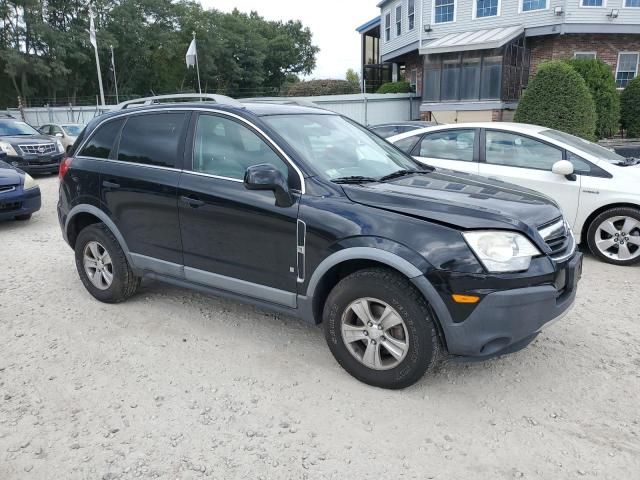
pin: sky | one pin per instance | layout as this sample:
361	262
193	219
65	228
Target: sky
332	22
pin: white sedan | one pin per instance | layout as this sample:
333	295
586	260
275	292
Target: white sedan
597	189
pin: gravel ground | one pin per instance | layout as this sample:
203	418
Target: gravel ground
175	384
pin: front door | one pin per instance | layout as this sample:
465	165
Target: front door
236	239
527	162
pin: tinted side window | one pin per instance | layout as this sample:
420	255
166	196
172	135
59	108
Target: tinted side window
226	148
101	142
509	149
449	145
407	144
152	139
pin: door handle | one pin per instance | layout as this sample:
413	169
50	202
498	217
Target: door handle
109	184
192	202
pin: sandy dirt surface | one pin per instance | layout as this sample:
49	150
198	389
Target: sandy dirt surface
178	385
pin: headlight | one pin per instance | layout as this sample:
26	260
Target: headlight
8	149
60	147
501	251
29	182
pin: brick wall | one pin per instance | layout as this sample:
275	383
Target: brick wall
560	47
412	61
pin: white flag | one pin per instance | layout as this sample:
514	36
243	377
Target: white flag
92	32
191	54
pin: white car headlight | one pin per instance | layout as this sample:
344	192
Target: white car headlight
60	146
29	182
8	149
501	251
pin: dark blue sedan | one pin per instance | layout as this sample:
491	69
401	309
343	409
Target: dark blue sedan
19	193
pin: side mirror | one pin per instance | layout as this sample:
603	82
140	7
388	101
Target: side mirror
59	134
564	168
267	177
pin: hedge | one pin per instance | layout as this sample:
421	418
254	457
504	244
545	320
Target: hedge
602	85
321	87
630	108
395	87
557	97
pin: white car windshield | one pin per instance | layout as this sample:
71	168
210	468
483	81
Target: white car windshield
339	148
584	145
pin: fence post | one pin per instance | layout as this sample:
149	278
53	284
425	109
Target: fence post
366	106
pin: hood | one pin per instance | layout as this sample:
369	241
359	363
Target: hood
28	139
9	175
459	199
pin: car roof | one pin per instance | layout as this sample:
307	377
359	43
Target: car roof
404	123
510	126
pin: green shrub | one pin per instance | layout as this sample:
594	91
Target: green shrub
602	85
630	108
557	97
395	87
321	87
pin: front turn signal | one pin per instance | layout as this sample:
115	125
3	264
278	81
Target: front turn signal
465	298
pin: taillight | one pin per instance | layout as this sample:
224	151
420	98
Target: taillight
64	167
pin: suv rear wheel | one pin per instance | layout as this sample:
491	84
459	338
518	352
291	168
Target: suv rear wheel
614	236
380	330
103	266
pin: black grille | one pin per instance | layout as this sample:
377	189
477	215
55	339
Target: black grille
9	206
7	188
43	149
558	238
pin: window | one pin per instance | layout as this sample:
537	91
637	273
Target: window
486	8
411	14
511	150
55	129
152	139
470	85
491	77
101	142
449	145
592	3
632	3
444	11
529	5
413	80
398	20
584	55
627	68
226	148
387	27
407	144
450	76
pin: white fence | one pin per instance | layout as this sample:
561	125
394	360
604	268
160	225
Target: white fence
368	109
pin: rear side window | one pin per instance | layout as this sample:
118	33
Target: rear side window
101	142
449	145
152	139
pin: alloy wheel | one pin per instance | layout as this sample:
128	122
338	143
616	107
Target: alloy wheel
97	265
619	238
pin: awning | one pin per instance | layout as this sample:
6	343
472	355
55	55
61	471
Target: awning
473	40
370	24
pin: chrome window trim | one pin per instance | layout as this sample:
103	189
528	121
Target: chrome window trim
200	109
121	162
210	175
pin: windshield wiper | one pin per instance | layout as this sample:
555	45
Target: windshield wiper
402	173
629	161
354	179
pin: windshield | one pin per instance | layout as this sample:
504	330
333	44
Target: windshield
12	127
72	130
584	145
339	148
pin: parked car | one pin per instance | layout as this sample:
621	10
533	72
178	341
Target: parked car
66	132
386	130
19	193
596	188
305	212
28	149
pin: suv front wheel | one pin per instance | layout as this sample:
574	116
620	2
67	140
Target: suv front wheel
380	330
103	266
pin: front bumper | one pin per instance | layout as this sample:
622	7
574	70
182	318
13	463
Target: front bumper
19	202
507	320
36	163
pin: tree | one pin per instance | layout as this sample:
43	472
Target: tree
353	78
558	97
602	85
630	108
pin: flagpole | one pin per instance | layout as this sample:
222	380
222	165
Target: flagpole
115	78
197	66
95	49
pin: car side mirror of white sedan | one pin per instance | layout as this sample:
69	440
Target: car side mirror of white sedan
564	168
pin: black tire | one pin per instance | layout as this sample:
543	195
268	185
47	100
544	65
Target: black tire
23	218
593	231
124	283
424	350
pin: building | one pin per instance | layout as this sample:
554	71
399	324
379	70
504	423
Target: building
471	59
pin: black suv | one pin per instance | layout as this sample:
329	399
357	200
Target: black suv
305	212
27	149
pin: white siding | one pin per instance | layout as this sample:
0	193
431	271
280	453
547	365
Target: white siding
578	14
407	36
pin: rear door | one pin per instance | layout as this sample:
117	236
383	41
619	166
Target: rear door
527	161
140	181
455	149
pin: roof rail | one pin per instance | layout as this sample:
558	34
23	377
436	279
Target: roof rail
281	101
139	102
